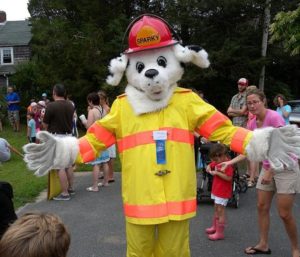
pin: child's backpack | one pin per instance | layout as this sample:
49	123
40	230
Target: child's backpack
7	211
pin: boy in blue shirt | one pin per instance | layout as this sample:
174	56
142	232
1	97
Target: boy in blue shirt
31	131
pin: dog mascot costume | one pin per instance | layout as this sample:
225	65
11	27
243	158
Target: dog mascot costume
153	124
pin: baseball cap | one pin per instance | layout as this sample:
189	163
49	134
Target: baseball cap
44	94
243	81
33	104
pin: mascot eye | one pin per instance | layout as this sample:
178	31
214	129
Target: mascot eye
162	61
140	66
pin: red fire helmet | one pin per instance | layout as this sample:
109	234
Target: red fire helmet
148	33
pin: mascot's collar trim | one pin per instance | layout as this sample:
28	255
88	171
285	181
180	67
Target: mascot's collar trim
142	104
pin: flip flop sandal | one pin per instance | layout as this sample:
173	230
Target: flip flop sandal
251	184
91	189
102	185
253	251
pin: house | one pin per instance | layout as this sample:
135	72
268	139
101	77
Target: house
14	46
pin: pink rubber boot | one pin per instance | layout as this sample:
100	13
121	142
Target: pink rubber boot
219	235
212	229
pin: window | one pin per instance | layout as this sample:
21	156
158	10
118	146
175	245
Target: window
6	55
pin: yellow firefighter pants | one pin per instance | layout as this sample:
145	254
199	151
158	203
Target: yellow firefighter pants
169	239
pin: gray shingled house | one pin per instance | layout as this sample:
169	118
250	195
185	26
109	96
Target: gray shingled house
14	46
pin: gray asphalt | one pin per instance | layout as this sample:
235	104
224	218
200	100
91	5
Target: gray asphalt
96	223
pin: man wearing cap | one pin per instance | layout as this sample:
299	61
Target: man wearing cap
238	109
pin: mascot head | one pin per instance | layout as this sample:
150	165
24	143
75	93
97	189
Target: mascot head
153	63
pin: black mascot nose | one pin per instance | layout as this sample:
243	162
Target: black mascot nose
151	73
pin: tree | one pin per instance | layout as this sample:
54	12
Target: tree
73	42
264	46
286	29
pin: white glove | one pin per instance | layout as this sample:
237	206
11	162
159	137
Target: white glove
280	146
51	153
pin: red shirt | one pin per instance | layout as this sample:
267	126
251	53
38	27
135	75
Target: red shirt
220	187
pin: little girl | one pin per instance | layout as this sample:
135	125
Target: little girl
221	189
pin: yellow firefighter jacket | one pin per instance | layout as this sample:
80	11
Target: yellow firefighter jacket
156	193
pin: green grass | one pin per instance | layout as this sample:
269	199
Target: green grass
25	184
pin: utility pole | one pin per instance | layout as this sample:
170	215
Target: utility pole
264	46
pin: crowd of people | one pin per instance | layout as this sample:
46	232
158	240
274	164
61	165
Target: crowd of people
60	118
248	108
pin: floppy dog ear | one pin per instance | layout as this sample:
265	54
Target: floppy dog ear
116	68
192	53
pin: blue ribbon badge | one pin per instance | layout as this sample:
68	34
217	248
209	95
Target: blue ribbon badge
160	138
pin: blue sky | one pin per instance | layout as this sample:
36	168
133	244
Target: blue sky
15	9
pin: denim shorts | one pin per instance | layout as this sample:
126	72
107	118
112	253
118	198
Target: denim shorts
219	200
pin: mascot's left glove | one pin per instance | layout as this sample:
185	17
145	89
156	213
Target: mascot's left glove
52	153
280	146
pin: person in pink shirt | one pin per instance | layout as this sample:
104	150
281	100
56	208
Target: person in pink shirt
252	167
285	184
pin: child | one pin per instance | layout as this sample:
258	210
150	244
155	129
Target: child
31	128
221	189
36	234
7	210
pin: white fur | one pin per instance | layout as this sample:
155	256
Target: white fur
186	55
52	153
142	104
66	152
258	147
183	54
117	67
149	94
201	59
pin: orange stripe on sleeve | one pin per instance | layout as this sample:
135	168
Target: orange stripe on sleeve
238	139
86	151
213	123
102	134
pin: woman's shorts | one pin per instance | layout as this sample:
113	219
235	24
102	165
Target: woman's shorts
283	182
104	157
219	200
112	151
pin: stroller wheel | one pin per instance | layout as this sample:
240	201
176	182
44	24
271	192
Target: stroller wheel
236	201
237	188
199	192
243	186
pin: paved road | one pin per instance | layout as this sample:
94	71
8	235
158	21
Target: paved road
97	229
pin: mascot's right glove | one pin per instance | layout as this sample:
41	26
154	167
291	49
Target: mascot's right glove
280	146
52	153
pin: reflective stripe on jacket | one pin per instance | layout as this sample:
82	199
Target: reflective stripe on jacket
156	193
